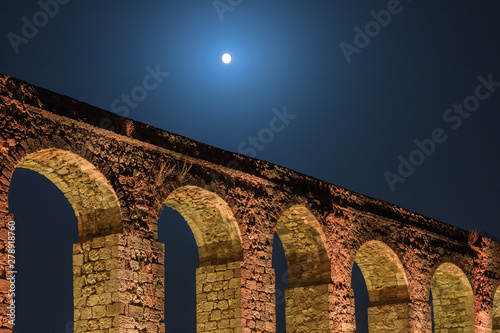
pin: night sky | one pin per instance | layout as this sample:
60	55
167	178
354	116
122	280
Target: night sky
363	88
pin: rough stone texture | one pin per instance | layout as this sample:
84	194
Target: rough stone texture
388	318
95	285
453	300
212	223
307	299
218	297
387	288
257	299
117	179
307	309
118	284
92	198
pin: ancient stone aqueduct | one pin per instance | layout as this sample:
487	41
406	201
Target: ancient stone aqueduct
117	178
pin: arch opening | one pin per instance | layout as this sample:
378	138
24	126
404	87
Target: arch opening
45	230
309	271
387	287
280	266
181	263
98	215
217	236
211	220
452	300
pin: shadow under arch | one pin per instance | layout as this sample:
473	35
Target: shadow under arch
217	236
93	199
387	287
452	300
309	271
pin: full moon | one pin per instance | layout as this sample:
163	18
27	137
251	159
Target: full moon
226	58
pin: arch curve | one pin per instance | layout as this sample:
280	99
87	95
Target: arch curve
212	222
88	191
304	244
382	271
453	299
309	270
387	287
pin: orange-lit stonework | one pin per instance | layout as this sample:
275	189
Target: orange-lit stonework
117	178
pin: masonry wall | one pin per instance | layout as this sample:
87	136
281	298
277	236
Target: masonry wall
118	284
233	205
218	298
307	309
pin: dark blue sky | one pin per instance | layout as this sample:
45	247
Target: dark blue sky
353	120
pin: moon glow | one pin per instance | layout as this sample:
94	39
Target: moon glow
226	58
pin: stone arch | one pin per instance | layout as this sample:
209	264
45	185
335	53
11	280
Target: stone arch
387	287
93	199
98	213
212	222
452	300
309	271
217	235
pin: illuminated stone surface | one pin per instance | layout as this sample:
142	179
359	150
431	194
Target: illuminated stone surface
117	178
